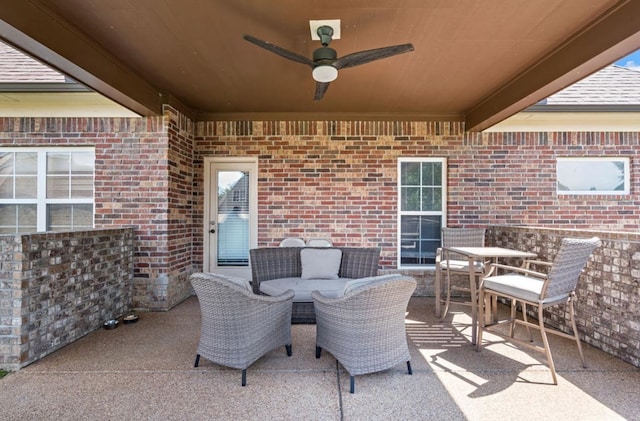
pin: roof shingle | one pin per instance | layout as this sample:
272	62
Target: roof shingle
17	67
613	85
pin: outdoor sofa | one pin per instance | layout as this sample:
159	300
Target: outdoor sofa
329	270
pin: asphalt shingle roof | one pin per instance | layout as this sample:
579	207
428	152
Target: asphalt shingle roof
17	67
613	85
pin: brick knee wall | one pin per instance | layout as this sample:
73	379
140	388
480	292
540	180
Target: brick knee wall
56	287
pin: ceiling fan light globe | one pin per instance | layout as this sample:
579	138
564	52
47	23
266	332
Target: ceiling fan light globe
324	73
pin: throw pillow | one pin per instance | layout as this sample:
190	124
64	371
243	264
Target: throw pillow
320	263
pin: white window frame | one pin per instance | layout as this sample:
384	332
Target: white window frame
41	200
591	167
442	213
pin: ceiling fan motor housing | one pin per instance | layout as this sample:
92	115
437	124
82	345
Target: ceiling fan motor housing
324	55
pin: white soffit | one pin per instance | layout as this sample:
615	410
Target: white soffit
569	122
60	104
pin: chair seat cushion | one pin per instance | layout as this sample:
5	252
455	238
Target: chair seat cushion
332	288
461	265
520	286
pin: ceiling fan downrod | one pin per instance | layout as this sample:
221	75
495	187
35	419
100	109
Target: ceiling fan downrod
325	33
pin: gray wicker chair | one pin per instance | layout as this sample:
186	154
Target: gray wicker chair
365	329
451	263
239	327
527	287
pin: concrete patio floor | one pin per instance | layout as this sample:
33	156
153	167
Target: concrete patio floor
145	371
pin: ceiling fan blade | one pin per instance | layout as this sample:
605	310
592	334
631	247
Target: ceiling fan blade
363	57
279	50
321	89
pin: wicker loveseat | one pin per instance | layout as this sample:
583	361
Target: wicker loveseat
277	269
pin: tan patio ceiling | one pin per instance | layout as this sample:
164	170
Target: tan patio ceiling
477	61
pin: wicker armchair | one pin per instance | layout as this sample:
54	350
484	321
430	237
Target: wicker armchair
541	290
365	329
239	327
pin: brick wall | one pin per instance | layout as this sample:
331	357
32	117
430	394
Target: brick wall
143	178
338	179
180	229
510	178
57	287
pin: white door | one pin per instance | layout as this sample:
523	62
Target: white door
230	214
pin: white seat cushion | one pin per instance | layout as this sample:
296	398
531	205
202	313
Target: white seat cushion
461	265
520	286
332	288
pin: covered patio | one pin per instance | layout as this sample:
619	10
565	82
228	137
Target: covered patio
145	371
337	162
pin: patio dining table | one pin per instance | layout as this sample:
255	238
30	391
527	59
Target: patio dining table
486	255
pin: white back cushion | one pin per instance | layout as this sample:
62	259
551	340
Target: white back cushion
320	263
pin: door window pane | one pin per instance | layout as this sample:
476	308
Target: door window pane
233	218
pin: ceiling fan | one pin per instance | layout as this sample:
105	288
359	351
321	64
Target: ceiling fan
325	63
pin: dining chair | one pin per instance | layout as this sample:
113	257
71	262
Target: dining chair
553	284
292	242
449	263
238	327
365	329
319	242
